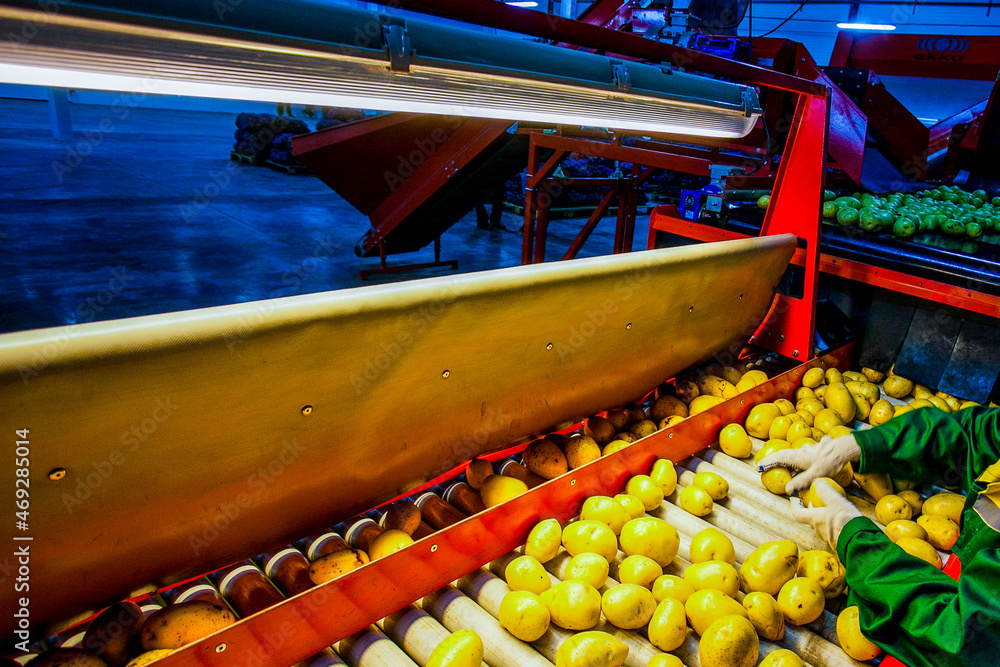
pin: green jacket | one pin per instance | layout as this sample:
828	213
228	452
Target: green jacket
907	606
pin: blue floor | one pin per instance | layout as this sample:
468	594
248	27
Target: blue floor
144	213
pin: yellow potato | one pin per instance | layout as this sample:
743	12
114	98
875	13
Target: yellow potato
668	625
696	501
588	649
181	623
729	641
945	504
336	564
942	532
628	606
460	649
581	450
851	640
801	601
524	615
765	615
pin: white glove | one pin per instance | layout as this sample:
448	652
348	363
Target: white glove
823	459
827	521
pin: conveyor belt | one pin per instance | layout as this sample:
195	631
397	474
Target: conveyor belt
927	255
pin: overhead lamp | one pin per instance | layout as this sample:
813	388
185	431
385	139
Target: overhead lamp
866	26
331	55
521	3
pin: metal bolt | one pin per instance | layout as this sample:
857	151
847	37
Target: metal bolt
781	337
434	548
57	474
670	435
549	346
307	410
795	353
220	648
628	326
446	374
572	482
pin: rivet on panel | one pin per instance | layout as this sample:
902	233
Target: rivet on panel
446	374
549	346
57	474
670	435
691	309
434	548
628	326
220	648
741	296
572	482
306	410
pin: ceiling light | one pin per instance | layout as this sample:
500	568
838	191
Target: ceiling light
521	3
366	60
866	26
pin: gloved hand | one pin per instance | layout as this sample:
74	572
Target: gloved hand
823	459
827	521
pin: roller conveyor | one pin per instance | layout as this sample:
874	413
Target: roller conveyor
958	262
408	636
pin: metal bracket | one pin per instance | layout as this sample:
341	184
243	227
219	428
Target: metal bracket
397	43
619	76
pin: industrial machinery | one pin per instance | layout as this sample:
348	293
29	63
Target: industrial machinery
229	442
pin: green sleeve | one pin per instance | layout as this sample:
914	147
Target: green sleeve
930	446
916	612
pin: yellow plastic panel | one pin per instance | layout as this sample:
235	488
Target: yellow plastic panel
188	444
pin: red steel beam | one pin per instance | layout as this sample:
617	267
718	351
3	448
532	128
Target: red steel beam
975	58
643	156
558	29
667	219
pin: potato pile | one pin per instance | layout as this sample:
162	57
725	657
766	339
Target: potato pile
834	403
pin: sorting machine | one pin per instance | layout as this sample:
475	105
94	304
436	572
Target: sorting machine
223	442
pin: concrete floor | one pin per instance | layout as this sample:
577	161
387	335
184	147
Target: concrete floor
144	213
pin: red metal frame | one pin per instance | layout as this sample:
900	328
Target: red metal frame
934	56
667	219
798	189
364	274
302	626
648	154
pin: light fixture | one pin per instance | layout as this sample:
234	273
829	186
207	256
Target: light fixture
521	3
332	55
866	26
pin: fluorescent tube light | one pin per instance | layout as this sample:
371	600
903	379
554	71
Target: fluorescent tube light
521	3
866	26
84	52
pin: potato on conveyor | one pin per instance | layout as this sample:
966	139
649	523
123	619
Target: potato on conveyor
110	634
184	622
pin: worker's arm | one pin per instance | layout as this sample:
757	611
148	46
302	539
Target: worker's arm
916	612
930	446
